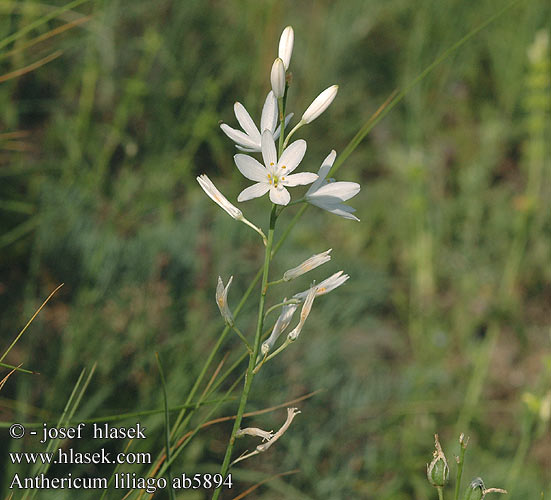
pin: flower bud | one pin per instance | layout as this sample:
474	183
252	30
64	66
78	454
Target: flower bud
320	104
210	189
438	471
277	77
475	490
286	46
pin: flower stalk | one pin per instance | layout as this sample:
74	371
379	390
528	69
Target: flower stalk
249	375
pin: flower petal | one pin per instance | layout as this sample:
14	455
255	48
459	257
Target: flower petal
292	156
250	168
248	150
268	121
279	195
239	137
341	190
301	179
246	121
345	212
253	191
323	171
269	153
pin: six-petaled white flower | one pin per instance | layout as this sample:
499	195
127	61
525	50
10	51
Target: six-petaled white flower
250	140
276	175
330	195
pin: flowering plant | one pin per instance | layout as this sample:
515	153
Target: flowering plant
274	174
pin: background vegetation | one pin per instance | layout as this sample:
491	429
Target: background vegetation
444	324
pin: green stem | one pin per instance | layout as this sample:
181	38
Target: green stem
249	376
440	493
282	105
460	463
293	130
242	337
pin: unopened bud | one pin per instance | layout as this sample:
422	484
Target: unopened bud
475	490
277	78
320	104
286	43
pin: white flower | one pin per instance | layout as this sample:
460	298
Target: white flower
276	174
329	195
320	104
286	42
218	197
250	140
309	264
277	78
280	326
325	286
222	300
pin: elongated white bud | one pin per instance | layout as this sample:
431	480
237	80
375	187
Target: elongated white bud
320	104
286	43
218	197
277	78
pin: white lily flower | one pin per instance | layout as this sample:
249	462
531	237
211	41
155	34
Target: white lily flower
326	286
277	78
276	174
309	264
280	326
320	104
329	195
218	197
250	140
222	300
286	42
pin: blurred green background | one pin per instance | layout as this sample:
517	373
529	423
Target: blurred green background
444	324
